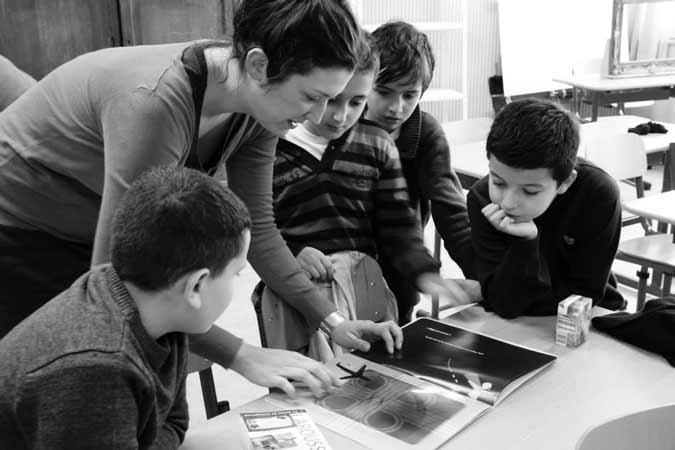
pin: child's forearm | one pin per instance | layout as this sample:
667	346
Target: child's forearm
520	283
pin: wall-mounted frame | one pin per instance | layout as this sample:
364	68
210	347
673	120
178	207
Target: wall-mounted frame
624	61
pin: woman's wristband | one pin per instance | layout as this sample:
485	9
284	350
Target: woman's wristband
331	321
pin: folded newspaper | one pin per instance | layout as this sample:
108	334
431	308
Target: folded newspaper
287	429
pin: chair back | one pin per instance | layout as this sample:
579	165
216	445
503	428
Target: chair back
464	131
652	429
621	155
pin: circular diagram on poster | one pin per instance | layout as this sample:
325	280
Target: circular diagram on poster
384	421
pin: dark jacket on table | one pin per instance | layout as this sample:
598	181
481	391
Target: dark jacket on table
572	254
82	373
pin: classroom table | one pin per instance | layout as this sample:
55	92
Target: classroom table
659	207
600	380
470	163
603	90
653	142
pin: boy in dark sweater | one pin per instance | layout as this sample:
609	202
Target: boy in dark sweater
103	364
545	225
407	67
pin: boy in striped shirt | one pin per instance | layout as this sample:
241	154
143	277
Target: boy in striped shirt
338	187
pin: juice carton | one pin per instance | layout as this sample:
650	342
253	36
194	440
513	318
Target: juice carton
574	318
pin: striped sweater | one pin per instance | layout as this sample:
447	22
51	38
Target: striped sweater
355	198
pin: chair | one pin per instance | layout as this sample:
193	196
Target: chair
622	156
651	429
655	250
211	404
656	145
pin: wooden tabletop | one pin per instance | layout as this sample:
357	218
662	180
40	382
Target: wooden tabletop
599	380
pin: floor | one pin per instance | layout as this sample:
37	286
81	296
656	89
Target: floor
240	319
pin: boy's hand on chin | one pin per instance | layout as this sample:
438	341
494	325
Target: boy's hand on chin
502	222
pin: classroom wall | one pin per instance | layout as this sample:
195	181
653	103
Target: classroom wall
483	55
482	44
39	35
163	21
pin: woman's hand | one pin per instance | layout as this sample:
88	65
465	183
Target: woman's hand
317	265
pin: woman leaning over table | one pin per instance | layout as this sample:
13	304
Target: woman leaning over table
71	146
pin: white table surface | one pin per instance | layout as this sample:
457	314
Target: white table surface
596	82
660	207
599	380
470	159
653	142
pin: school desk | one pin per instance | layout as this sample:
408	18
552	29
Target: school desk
660	207
599	380
653	142
470	163
602	90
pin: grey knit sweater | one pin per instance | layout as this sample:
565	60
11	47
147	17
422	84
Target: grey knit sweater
83	373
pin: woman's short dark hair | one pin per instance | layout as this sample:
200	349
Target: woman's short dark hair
405	54
172	221
534	133
297	35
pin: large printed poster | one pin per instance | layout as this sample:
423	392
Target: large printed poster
392	406
385	408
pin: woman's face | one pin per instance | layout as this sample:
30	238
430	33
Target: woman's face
281	106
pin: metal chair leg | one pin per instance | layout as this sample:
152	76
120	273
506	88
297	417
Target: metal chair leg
211	404
643	275
667	283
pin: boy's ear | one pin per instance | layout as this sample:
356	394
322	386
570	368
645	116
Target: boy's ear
255	64
194	285
565	185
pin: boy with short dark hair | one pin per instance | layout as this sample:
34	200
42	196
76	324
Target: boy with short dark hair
545	225
103	364
407	67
